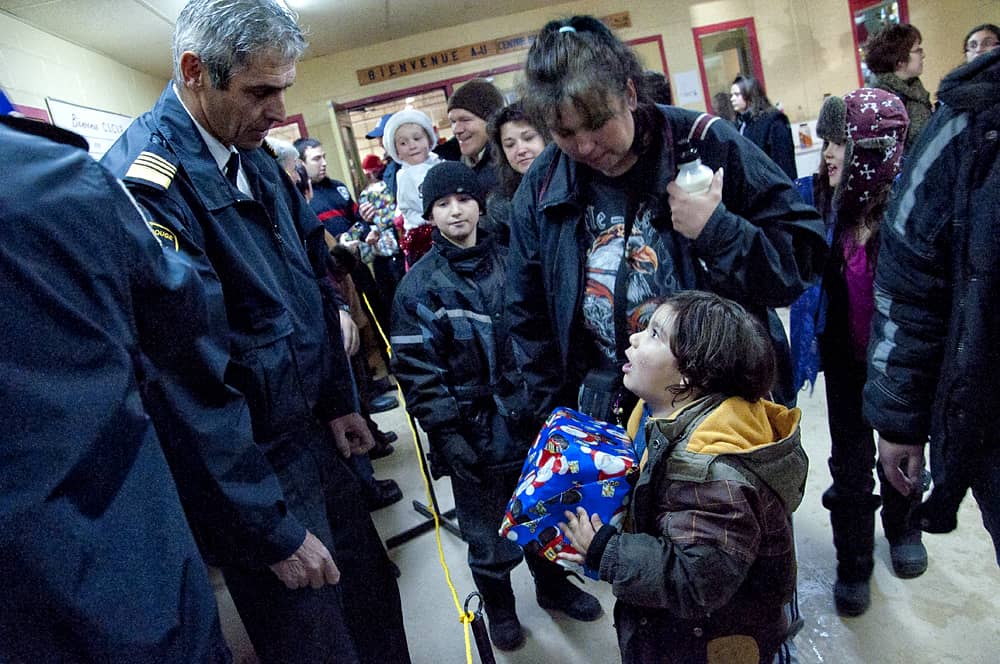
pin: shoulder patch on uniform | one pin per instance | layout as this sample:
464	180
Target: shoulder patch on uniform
154	167
166	236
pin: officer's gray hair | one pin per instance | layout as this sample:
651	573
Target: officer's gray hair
228	34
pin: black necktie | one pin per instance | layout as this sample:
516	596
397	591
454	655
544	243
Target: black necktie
233	168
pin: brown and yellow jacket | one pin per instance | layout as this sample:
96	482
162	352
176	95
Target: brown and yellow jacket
707	558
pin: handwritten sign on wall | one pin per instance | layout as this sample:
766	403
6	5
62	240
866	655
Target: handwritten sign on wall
458	54
100	128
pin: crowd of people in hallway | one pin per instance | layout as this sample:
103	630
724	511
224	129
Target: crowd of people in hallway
189	375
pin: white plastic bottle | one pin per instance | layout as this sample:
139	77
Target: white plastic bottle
692	177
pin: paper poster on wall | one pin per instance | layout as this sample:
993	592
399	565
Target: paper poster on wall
687	88
100	128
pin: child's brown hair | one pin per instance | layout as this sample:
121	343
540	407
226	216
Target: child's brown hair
718	345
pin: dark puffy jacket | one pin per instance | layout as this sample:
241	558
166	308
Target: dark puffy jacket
334	206
771	132
934	357
762	247
449	341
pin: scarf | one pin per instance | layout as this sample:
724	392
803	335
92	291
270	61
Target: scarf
915	98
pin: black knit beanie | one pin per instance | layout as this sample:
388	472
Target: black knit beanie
449	177
479	97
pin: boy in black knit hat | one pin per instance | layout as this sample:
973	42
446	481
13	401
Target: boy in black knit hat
450	348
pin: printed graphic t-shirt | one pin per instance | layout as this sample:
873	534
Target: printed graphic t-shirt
651	276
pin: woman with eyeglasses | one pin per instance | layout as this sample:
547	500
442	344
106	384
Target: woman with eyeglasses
981	39
896	58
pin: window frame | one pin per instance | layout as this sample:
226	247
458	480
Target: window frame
853	7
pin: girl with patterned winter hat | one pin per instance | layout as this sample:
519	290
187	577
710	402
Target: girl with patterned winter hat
864	133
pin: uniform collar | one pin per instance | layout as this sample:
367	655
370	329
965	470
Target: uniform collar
220	153
181	132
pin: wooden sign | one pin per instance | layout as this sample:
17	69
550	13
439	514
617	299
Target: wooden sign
450	56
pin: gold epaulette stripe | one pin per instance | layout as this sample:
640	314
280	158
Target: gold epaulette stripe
152	168
156	161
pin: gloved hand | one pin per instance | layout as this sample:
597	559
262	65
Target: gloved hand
459	456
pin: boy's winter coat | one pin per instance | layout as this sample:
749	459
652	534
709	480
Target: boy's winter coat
707	559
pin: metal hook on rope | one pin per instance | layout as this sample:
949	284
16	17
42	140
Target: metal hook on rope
483	644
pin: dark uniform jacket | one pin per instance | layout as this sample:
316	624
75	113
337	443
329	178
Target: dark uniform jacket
99	563
708	553
761	247
334	206
934	355
252	258
449	343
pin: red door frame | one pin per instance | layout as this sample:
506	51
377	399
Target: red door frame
854	6
722	27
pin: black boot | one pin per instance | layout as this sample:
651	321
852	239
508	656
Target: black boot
505	629
906	550
853	522
554	591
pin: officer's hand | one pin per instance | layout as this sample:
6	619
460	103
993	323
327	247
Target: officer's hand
349	331
311	565
351	434
460	456
691	213
367	212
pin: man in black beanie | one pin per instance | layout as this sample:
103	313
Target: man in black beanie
469	108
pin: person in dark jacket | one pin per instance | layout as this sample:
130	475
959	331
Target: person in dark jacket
752	240
391	167
896	58
195	163
101	563
451	352
331	200
766	126
863	133
707	558
933	360
577	289
83	426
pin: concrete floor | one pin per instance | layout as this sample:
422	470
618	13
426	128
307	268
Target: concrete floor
950	614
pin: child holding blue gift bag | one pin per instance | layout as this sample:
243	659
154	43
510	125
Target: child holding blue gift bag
450	344
707	560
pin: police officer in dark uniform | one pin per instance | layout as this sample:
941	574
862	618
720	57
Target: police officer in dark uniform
195	162
100	563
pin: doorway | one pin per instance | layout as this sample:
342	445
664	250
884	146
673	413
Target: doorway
726	50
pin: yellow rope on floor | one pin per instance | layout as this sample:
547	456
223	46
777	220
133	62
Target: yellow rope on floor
464	617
